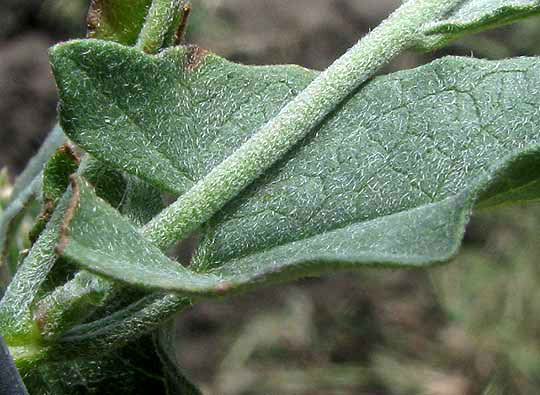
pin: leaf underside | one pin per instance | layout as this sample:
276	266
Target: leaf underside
388	178
477	15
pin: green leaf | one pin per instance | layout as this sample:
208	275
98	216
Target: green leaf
109	253
70	304
41	272
120	326
117	20
388	178
56	174
477	15
101	239
136	199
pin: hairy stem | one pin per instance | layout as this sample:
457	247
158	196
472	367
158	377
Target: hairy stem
161	18
397	33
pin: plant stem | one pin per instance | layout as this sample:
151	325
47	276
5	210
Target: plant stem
163	14
397	33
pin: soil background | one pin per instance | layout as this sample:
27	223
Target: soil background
466	328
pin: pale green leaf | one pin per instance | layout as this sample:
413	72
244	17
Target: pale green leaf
477	15
16	318
36	165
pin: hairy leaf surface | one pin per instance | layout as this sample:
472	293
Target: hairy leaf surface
388	178
102	240
476	15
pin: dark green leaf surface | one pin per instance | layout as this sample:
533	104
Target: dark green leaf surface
388	178
476	15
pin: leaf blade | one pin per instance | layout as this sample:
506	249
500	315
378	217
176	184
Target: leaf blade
422	137
103	241
477	15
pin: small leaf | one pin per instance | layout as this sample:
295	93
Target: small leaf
476	15
122	324
57	171
16	319
118	20
70	304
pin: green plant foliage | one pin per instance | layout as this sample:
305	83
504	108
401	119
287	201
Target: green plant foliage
476	15
36	165
386	177
100	239
396	150
16	317
56	173
473	15
55	181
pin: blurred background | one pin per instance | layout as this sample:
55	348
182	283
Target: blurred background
470	327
